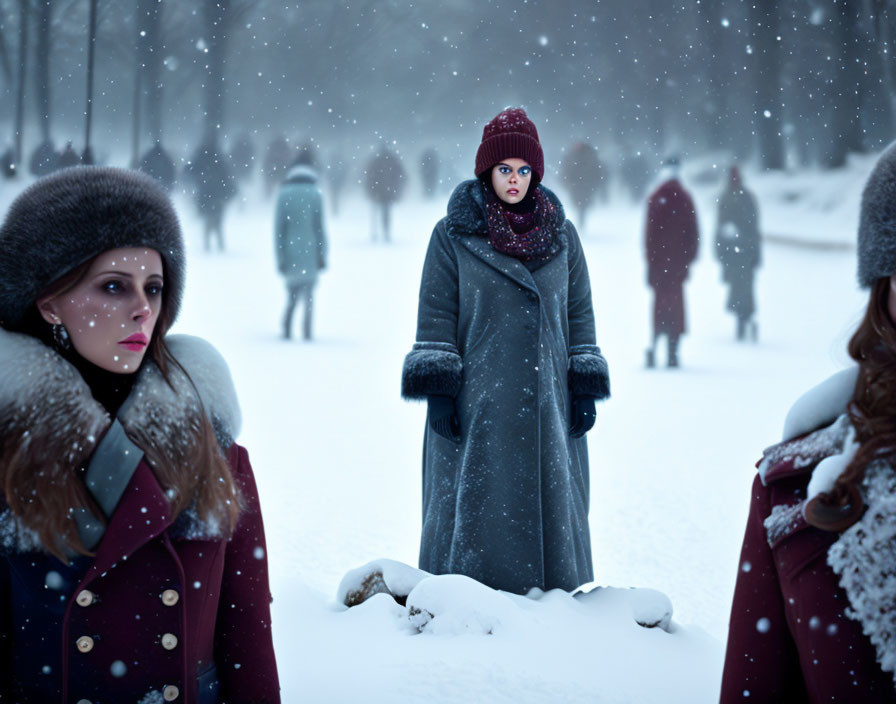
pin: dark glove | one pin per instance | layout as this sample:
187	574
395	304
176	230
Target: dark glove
582	416
443	417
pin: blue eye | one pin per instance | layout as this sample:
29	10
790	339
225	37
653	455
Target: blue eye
154	290
112	286
504	169
525	170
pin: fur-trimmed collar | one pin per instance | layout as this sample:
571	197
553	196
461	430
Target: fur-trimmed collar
821	404
467	209
864	556
44	393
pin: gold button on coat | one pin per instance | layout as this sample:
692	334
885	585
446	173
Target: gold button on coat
169	641
170	693
85	644
170	597
84	598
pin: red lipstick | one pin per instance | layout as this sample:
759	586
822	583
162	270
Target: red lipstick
135	343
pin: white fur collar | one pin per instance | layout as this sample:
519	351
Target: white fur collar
42	392
822	404
43	395
864	558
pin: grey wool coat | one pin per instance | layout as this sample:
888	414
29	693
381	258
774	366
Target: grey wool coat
508	505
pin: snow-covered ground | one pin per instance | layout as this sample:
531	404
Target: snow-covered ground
337	452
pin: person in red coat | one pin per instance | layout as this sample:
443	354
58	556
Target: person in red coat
814	612
133	563
670	247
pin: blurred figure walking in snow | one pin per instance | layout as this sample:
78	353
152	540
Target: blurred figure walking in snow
242	157
585	177
385	181
68	157
814	612
299	240
44	159
336	178
157	163
635	173
214	188
738	248
507	361
670	247
429	172
278	158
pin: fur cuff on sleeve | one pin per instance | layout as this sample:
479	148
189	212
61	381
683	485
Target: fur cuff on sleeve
431	368
588	372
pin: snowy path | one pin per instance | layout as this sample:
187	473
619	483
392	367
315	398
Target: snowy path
337	453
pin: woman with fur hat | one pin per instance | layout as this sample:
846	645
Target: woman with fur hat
507	360
132	553
814	612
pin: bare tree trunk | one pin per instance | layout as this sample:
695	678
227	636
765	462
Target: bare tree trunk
715	97
879	78
217	21
845	97
5	61
20	93
42	48
91	47
152	62
139	55
767	79
147	78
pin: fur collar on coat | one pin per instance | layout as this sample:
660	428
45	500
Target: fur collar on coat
864	555
467	209
44	394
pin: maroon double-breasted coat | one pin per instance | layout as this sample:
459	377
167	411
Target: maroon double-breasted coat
158	612
794	636
168	608
671	243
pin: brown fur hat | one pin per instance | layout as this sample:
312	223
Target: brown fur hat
71	216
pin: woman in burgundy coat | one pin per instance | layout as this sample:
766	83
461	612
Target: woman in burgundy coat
133	565
670	246
814	612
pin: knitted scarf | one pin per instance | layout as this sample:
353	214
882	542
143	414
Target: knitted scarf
528	235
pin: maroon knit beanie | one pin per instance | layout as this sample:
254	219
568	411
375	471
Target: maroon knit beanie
511	135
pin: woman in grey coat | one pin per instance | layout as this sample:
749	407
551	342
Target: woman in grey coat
739	250
506	357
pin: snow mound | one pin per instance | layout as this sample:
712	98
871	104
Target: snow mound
453	604
381	576
608	644
649	608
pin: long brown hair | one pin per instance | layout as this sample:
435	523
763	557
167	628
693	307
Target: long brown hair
193	472
872	412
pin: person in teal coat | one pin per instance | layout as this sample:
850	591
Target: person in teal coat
300	241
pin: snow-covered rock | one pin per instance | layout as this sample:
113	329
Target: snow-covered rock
381	576
649	608
452	604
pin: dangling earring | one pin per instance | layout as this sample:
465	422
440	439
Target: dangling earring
60	337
